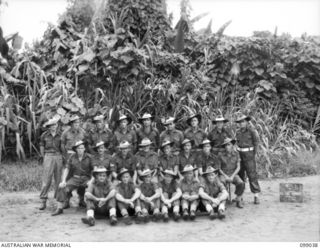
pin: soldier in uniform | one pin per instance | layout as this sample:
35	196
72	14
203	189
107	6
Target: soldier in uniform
147	131
230	166
247	141
187	156
147	159
218	134
194	132
79	166
206	158
213	193
167	159
172	134
102	158
100	133
100	197
123	133
50	149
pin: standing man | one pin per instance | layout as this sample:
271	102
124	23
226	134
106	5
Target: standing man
172	134
147	131
194	132
100	133
230	166
80	167
50	149
218	134
123	133
248	140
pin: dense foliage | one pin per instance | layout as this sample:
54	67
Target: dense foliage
121	57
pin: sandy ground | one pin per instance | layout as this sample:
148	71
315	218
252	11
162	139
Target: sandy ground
270	221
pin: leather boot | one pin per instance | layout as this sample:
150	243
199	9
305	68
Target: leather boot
43	205
57	212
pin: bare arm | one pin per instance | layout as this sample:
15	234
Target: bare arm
176	195
136	195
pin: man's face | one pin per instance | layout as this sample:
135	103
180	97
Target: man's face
170	126
76	124
145	148
99	124
229	147
243	124
125	178
102	177
219	125
147	122
187	147
206	148
168	178
167	149
189	175
101	149
194	122
147	179
80	149
53	127
125	151
211	177
124	123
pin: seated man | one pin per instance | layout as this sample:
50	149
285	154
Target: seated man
102	157
78	168
150	196
187	156
230	166
99	197
213	193
170	194
128	197
190	192
168	160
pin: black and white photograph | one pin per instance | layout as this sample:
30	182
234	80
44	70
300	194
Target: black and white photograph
159	121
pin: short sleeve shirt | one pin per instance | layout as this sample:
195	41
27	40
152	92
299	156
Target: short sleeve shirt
129	162
80	168
148	189
183	160
170	189
100	190
153	135
212	189
188	187
198	136
217	137
247	138
104	161
128	135
147	160
203	161
168	161
126	190
96	136
229	161
70	136
174	136
51	143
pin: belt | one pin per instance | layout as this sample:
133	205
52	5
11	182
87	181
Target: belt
77	176
71	152
52	153
246	149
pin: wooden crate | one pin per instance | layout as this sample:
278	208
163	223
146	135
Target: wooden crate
291	192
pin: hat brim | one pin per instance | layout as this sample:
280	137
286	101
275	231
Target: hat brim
198	116
173	121
171	144
191	141
216	121
127	118
120	174
207	173
233	141
201	145
76	146
245	118
141	119
151	172
166	173
96	147
145	145
186	171
95	173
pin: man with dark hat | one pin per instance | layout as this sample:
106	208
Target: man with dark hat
213	193
100	197
147	159
248	141
101	157
123	133
172	134
187	156
124	158
147	131
128	197
218	134
170	195
80	167
70	136
230	166
190	192
150	196
100	133
167	159
206	158
50	149
194	132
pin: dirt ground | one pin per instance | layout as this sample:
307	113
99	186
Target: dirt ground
270	221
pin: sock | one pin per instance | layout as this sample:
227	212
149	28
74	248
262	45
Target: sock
209	208
112	212
256	195
176	209
90	213
60	205
222	206
124	212
164	210
144	211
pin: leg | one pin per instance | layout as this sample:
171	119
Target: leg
57	173
240	185
209	209
250	167
48	166
124	212
91	207
193	207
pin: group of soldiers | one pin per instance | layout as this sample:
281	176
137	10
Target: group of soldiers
145	174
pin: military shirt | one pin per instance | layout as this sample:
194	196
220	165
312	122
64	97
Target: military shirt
147	160
153	135
174	136
189	187
184	160
70	136
217	136
98	189
229	161
212	189
168	162
247	138
129	162
148	189
80	168
51	143
126	135
170	189
198	136
203	161
104	161
104	135
126	190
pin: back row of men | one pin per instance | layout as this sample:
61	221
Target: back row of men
65	159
